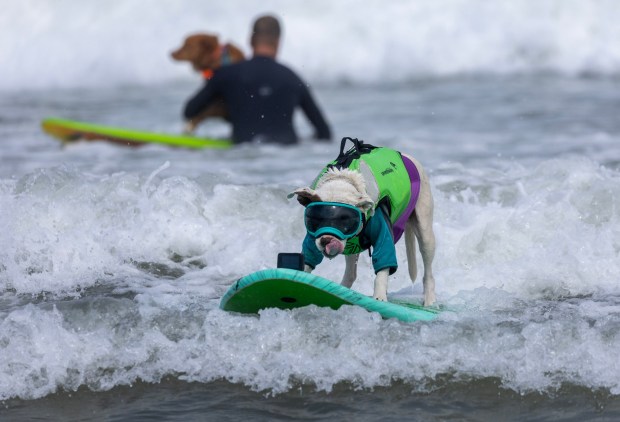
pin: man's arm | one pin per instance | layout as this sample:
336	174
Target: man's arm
201	100
312	111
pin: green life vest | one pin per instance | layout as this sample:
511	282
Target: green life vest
387	182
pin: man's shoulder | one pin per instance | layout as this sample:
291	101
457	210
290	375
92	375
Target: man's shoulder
257	66
224	74
272	63
286	68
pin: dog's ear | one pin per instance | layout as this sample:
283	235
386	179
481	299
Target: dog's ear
210	43
366	204
305	196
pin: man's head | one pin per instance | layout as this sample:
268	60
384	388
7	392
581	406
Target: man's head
266	35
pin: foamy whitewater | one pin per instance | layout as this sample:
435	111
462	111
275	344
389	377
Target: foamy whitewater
113	260
67	43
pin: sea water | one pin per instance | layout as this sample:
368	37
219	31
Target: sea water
113	259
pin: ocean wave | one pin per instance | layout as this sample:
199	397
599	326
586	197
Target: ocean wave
111	280
73	44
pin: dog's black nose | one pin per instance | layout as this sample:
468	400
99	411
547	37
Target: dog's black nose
325	240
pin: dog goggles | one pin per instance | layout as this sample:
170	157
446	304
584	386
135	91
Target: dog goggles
335	218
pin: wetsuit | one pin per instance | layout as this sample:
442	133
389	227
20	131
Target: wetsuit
260	95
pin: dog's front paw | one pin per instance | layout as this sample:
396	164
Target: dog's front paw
381	297
381	285
429	299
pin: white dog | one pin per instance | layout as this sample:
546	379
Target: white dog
366	199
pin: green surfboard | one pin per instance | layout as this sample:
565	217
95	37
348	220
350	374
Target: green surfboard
288	289
71	131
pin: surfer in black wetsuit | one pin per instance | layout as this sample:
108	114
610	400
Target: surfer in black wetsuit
260	94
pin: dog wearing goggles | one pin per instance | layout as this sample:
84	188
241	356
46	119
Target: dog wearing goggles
366	199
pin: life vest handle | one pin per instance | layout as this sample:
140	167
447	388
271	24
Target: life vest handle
344	159
356	144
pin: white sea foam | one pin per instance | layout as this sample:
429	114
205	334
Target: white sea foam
527	259
71	43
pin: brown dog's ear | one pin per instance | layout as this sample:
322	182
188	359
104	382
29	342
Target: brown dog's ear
305	196
208	57
210	43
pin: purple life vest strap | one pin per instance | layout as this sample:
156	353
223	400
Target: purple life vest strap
399	227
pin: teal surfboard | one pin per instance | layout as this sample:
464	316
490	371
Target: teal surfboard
288	289
71	131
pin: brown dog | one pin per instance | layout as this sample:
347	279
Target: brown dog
205	53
